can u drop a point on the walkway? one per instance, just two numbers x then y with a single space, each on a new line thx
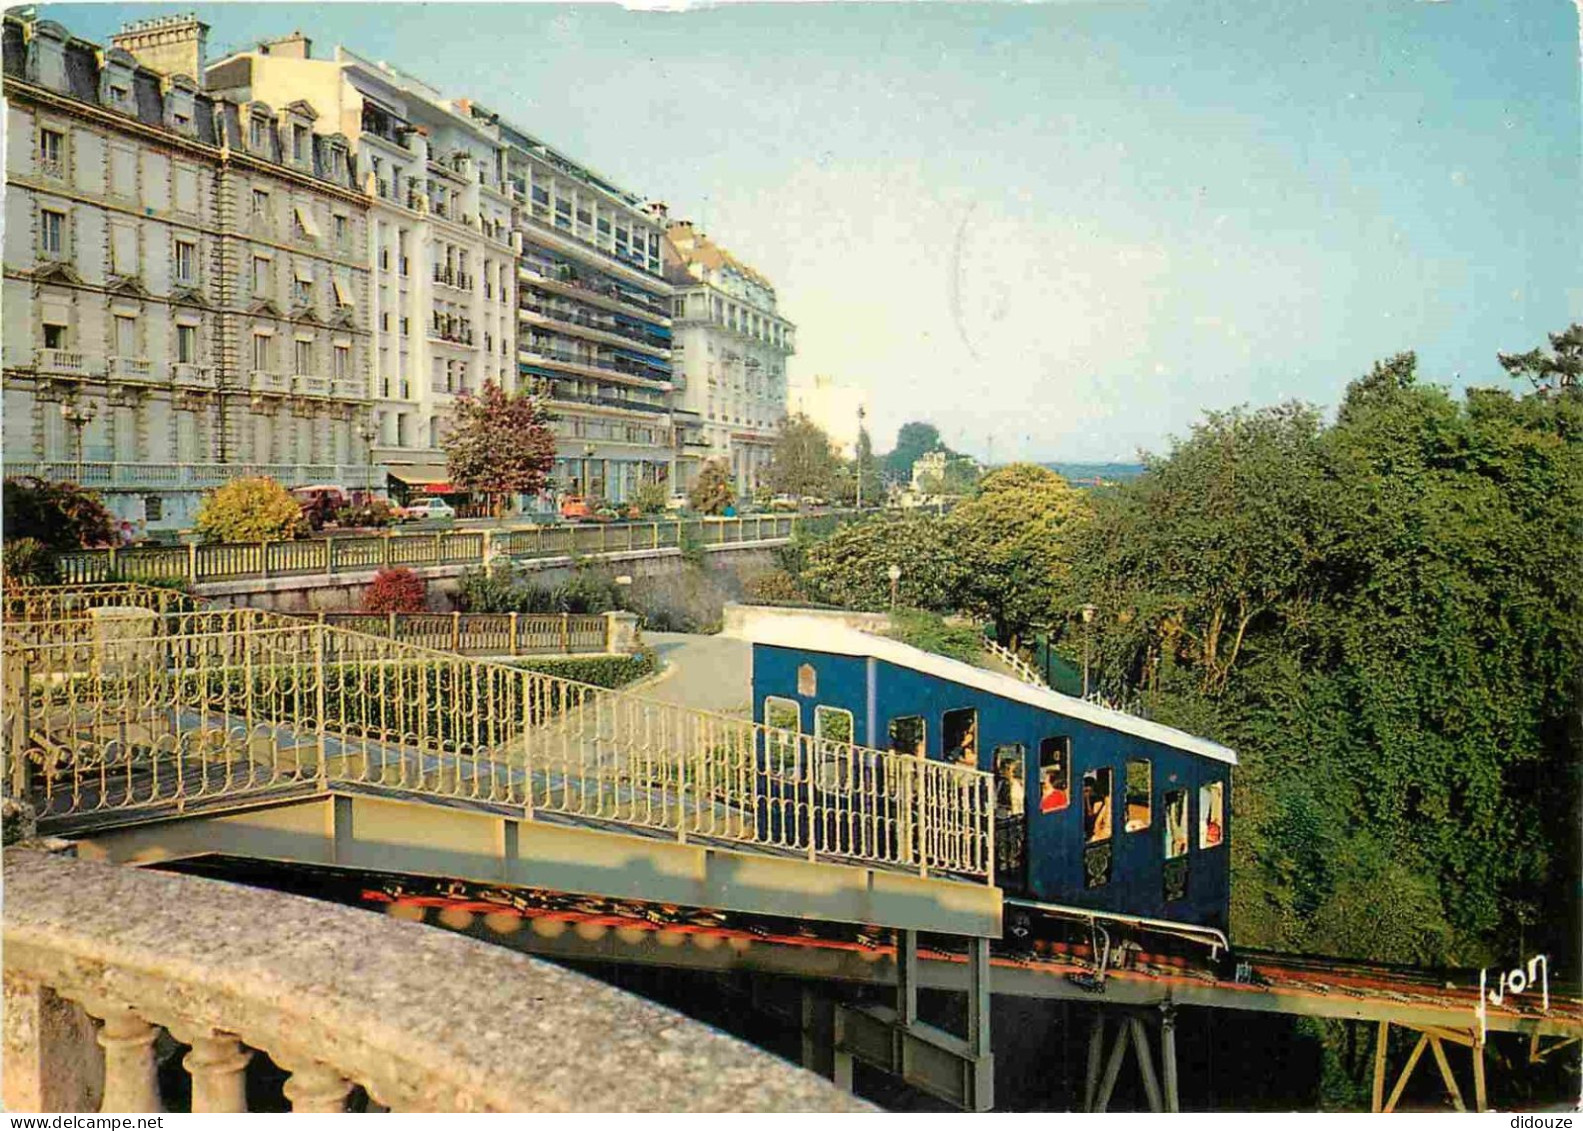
707 673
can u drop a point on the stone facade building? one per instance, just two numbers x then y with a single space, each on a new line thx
186 281
730 355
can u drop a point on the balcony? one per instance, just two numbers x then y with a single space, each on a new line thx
557 393
55 168
259 381
69 363
607 295
348 388
447 277
451 330
593 364
577 322
138 369
307 386
189 376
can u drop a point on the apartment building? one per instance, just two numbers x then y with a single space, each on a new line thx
593 316
730 356
186 294
834 406
439 240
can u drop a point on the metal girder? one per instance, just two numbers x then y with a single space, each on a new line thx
929 1059
353 830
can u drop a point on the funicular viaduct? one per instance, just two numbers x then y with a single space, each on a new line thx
617 828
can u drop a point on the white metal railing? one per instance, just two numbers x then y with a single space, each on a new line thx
1020 668
146 713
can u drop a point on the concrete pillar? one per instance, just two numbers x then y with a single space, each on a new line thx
52 1062
621 633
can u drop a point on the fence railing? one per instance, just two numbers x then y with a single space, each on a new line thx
486 634
148 713
237 561
1019 667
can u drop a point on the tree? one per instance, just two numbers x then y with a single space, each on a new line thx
59 516
250 510
712 491
500 444
1013 539
914 439
958 478
1558 370
650 498
850 568
805 462
866 464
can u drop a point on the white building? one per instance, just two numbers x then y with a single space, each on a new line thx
186 285
834 407
730 355
439 241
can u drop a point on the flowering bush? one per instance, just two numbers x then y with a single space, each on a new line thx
250 510
396 591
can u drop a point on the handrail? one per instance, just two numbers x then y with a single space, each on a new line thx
234 561
339 998
1020 668
144 714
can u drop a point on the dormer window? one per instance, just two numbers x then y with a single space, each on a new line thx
120 96
337 164
299 144
255 135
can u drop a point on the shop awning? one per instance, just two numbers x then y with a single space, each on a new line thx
432 478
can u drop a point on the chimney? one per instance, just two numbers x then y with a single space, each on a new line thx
294 46
171 45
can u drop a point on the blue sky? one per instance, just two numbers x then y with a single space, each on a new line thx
1065 229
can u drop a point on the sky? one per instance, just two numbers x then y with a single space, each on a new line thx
1059 230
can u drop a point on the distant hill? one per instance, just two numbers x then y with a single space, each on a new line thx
1087 473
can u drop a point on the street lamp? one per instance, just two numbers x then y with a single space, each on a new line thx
1089 613
894 573
77 418
588 470
368 435
857 450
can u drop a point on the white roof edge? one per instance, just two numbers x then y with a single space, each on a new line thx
821 636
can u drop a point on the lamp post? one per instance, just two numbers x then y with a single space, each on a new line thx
368 435
1089 613
588 471
77 418
894 573
857 450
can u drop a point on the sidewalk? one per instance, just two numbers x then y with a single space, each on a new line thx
710 673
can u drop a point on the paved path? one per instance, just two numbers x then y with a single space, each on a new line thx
710 673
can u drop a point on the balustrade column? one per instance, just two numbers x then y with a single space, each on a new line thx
131 1081
218 1064
317 1088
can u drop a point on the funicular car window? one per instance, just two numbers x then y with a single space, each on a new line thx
1139 795
959 736
1055 774
1011 792
907 735
1211 814
1098 822
832 727
1173 869
782 722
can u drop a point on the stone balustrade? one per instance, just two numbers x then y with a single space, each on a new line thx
98 959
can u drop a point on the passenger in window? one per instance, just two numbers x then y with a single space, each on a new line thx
1011 794
961 737
1054 778
1096 806
1175 824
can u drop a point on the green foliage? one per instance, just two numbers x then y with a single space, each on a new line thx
774 586
1555 371
250 510
913 440
713 490
1013 542
600 671
503 588
850 567
28 561
375 512
588 590
930 632
959 477
59 516
396 590
1385 617
805 462
650 498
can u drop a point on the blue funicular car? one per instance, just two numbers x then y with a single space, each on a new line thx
1098 812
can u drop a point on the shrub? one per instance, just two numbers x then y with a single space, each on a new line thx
27 561
250 510
712 492
774 586
396 591
930 632
588 591
650 498
375 512
600 671
60 516
503 589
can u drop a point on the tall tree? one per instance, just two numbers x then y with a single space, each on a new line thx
1557 370
913 439
499 445
713 490
805 461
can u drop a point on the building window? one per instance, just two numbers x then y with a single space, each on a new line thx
959 736
125 336
304 357
187 344
405 332
1140 799
120 96
255 134
260 275
1211 814
186 261
153 508
52 232
783 722
299 143
343 229
342 359
261 352
54 336
302 291
337 164
261 204
384 320
51 152
1055 774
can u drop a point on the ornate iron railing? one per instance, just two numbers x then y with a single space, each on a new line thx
485 634
146 713
235 561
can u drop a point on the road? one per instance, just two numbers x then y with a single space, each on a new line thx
710 673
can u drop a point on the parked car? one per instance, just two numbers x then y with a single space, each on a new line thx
783 503
575 508
420 509
320 502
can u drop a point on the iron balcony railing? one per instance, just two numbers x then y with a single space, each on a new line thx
235 561
143 715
